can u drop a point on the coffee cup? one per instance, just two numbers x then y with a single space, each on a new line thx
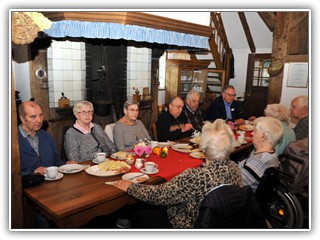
241 139
150 166
154 144
52 172
100 156
196 134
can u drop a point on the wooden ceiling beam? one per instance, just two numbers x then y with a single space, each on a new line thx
247 31
269 18
133 18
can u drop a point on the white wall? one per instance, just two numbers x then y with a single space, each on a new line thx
199 17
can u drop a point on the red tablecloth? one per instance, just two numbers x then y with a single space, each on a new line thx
172 165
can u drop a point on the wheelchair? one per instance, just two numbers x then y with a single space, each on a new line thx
282 207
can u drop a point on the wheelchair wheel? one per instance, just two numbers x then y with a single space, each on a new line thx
284 210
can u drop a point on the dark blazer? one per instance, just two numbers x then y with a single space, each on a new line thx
217 110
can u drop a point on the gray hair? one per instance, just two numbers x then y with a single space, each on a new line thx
225 88
192 92
80 105
271 127
22 109
129 103
277 111
217 140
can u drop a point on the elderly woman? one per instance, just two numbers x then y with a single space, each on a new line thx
267 133
181 197
85 138
129 130
280 112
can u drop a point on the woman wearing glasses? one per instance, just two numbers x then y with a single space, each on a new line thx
129 129
85 138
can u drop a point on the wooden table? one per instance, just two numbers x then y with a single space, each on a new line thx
77 198
74 200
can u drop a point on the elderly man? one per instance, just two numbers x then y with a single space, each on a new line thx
225 107
172 125
300 110
37 148
192 111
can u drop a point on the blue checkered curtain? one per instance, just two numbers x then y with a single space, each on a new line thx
102 30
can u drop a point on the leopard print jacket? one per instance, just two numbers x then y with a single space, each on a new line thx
183 194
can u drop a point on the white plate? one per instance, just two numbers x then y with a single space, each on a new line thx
181 147
165 144
71 168
116 156
197 155
97 162
59 176
195 140
96 171
135 176
143 170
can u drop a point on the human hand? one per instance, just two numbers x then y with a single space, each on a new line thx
40 170
252 118
187 127
122 184
72 162
240 121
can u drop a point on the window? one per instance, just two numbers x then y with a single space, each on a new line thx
260 72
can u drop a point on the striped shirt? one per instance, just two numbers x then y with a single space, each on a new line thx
126 136
258 163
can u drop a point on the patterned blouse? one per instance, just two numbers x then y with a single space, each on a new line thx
82 147
183 194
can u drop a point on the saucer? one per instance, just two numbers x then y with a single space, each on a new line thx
59 176
96 161
143 170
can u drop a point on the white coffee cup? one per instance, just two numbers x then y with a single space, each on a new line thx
100 156
196 134
154 144
150 166
52 172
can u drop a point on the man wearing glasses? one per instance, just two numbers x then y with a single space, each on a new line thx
172 125
225 107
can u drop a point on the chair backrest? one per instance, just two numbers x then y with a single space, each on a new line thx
268 182
154 131
109 131
230 206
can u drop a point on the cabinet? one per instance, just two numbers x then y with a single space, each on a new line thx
184 75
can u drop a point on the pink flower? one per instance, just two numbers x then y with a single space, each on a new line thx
139 150
148 149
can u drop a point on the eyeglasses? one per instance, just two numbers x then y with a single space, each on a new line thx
231 95
83 113
133 110
177 107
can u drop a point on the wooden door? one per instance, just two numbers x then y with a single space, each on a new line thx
256 94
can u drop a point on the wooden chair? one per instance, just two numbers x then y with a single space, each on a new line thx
154 131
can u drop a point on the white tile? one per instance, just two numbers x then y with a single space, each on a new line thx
49 52
76 45
146 58
57 95
132 57
57 75
76 75
58 86
83 54
49 64
145 75
83 75
56 44
76 65
66 53
76 54
83 86
139 75
67 75
139 58
69 94
66 44
67 86
66 64
57 64
83 65
57 53
77 95
76 85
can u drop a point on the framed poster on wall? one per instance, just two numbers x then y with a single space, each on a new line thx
298 75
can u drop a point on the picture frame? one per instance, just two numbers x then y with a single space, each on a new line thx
298 75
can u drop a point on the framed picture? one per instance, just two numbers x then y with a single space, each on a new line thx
298 75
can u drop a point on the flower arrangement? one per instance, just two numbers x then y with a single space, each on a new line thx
143 149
